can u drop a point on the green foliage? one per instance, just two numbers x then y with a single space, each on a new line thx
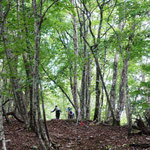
140 106
146 68
56 53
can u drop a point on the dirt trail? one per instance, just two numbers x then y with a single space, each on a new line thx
70 136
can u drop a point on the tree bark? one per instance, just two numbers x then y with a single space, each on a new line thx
124 79
101 105
121 101
128 105
84 81
83 93
45 143
97 101
75 83
28 59
88 91
2 135
35 96
104 86
113 87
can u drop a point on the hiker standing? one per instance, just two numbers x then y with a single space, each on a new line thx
70 113
58 111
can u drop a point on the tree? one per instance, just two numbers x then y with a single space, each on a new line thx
2 135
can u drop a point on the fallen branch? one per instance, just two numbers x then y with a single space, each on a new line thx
140 145
14 115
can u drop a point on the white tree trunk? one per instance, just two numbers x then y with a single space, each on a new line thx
121 101
113 87
75 83
2 135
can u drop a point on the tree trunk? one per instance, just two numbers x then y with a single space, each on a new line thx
27 57
35 98
128 105
113 87
4 98
40 128
88 91
2 135
83 93
102 95
97 102
93 48
101 105
29 87
28 66
75 84
121 101
86 73
84 81
18 95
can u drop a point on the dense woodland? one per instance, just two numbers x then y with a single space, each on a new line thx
91 55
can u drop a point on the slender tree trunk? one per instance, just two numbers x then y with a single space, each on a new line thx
101 105
128 105
27 57
84 81
113 87
29 88
40 128
2 135
102 89
35 98
43 108
104 86
4 98
88 91
121 101
75 83
83 93
86 73
97 102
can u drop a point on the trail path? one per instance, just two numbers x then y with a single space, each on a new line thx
70 136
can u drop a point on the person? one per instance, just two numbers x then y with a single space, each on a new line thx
58 111
70 113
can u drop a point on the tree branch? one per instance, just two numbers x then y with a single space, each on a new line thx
42 17
90 23
63 91
6 102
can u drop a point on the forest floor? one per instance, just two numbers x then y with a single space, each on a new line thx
69 136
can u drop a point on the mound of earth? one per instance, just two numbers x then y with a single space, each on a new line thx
69 136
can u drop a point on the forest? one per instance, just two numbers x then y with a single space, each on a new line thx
91 58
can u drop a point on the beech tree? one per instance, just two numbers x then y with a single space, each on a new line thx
90 55
2 135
